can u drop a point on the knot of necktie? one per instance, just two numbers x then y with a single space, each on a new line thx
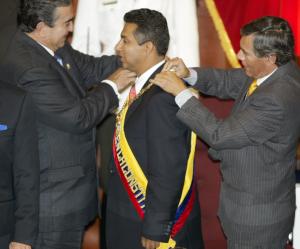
132 93
59 59
252 88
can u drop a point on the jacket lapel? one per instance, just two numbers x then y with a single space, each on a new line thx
242 101
68 69
70 82
140 100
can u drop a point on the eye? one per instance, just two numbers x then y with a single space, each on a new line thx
67 24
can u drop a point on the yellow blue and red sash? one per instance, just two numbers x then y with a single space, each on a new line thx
135 182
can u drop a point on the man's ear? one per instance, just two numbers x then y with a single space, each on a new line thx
149 47
272 58
42 29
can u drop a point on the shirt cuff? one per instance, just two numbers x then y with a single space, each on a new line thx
113 85
183 97
191 80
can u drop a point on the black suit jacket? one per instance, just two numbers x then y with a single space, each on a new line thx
19 166
67 114
161 144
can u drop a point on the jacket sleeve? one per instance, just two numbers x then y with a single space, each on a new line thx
26 175
93 69
224 84
261 120
59 108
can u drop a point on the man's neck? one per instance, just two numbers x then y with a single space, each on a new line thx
149 63
40 41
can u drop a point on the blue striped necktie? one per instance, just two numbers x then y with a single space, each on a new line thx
59 60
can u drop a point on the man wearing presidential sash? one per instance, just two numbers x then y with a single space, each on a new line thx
151 197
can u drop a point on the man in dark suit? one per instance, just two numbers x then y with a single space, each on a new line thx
19 169
257 143
153 146
58 78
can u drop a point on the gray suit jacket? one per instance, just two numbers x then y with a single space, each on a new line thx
256 145
67 114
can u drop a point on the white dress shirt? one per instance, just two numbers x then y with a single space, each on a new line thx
139 83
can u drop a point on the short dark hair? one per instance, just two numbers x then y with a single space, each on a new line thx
151 26
272 35
34 11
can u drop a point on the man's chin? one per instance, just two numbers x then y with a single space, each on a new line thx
125 66
248 73
59 46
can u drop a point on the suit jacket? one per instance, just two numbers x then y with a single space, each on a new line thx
19 166
105 132
257 148
67 114
161 145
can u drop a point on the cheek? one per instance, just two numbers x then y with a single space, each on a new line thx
240 55
62 32
130 54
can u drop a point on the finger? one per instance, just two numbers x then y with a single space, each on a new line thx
167 66
131 74
143 242
127 72
171 63
150 245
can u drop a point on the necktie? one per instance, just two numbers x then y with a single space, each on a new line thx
252 87
59 60
132 93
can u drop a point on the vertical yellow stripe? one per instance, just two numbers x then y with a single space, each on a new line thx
222 33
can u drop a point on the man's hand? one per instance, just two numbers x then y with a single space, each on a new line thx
149 244
16 245
169 82
177 65
122 78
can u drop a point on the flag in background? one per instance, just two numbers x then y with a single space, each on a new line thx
290 10
98 25
230 15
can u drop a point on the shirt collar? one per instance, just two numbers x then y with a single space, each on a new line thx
261 80
140 81
47 49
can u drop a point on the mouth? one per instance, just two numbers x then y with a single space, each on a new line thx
121 59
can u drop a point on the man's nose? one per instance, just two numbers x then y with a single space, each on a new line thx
118 47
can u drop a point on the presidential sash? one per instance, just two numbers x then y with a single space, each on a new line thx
135 182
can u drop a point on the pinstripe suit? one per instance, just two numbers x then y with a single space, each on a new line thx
256 145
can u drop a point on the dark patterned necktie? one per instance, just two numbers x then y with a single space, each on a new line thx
132 94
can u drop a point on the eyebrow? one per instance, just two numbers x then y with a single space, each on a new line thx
70 20
123 36
244 51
